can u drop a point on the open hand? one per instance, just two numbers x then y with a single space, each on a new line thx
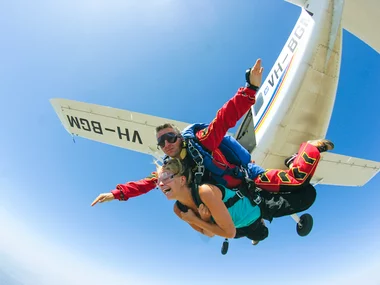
256 74
105 197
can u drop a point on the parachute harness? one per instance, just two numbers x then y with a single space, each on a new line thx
198 159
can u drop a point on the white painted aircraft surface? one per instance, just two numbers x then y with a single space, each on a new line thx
293 105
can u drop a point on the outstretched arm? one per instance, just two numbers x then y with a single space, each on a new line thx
231 112
133 189
128 190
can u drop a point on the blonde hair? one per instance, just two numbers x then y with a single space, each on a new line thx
177 167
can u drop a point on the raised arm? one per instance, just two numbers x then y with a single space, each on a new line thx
232 111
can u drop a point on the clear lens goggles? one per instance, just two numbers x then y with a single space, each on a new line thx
165 177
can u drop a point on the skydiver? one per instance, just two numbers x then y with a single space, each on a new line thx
214 209
169 139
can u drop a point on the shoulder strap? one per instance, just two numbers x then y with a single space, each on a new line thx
229 203
195 194
181 206
196 198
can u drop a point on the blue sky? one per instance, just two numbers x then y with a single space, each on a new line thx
160 57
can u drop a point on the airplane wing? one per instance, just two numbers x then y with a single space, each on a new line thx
136 131
342 170
122 128
333 169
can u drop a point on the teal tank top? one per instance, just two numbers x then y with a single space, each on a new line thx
243 213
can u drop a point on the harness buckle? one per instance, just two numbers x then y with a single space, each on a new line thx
197 156
246 176
239 194
198 175
257 199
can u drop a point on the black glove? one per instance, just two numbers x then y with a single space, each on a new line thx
248 83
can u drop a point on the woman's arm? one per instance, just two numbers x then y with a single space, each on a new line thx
212 199
178 212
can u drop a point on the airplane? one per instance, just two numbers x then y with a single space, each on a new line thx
293 105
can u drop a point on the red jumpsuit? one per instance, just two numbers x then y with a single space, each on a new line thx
210 138
232 111
303 168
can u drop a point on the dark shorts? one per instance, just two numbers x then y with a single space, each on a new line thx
256 231
281 204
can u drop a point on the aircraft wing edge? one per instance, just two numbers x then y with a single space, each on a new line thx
58 110
340 170
117 127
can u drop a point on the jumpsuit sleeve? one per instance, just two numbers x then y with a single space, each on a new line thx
226 118
133 189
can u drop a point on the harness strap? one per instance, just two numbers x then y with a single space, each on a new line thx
181 206
195 194
254 198
249 190
237 172
229 203
233 200
198 158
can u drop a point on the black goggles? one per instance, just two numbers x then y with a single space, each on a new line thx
170 137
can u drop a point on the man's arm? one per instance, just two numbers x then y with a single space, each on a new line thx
231 112
130 189
133 189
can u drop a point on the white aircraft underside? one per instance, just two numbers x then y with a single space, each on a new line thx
294 103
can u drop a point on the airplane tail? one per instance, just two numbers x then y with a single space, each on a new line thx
136 131
360 18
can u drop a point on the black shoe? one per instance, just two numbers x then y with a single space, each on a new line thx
290 160
322 145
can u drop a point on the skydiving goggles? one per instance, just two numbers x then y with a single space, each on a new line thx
170 137
165 177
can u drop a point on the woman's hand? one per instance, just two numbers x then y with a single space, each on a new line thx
189 216
204 212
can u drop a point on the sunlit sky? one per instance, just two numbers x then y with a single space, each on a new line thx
175 59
